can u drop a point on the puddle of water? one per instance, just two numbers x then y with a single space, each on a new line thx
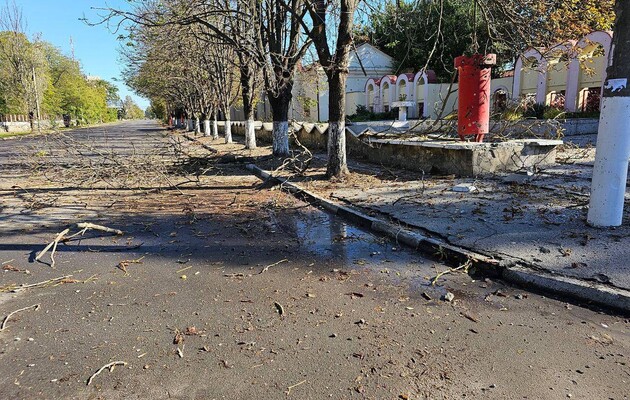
330 238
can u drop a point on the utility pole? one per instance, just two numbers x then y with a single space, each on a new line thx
613 138
39 129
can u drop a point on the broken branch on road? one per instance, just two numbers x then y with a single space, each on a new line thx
61 237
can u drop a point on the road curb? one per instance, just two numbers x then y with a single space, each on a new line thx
510 271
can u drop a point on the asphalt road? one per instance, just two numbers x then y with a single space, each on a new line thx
221 288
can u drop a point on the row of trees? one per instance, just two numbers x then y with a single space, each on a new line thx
37 79
201 57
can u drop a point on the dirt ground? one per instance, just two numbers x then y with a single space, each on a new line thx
224 288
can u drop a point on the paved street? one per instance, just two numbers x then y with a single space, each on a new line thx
223 287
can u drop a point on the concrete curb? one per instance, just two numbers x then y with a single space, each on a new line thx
513 272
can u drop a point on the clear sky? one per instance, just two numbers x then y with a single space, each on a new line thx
94 46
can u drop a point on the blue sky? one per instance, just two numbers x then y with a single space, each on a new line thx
94 46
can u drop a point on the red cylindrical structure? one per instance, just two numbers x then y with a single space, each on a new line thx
473 112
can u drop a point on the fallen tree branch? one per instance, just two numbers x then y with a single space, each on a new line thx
111 366
61 237
6 319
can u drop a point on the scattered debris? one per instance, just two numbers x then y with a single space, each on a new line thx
288 392
16 289
35 307
465 266
109 366
15 269
279 308
184 269
354 295
470 316
125 263
426 296
272 265
448 297
180 352
464 188
192 331
179 337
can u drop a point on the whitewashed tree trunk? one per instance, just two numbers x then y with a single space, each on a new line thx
215 129
250 134
280 136
337 146
191 125
197 126
206 127
228 131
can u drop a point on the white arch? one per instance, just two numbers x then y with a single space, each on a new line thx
604 38
407 79
541 87
390 81
374 101
426 78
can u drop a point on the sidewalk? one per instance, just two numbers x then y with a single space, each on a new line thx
531 229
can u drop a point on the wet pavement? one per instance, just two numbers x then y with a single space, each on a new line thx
197 299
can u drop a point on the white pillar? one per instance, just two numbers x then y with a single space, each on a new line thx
611 163
402 113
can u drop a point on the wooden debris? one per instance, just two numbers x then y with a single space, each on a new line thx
84 226
109 366
87 226
463 267
53 244
272 265
125 263
43 283
6 319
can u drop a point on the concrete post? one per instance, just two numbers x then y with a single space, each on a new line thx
613 138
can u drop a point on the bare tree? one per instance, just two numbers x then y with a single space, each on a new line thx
335 61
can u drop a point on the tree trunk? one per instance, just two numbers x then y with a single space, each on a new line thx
280 110
247 90
250 134
197 126
337 163
228 128
610 171
215 128
206 127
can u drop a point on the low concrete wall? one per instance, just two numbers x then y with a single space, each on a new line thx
25 126
430 156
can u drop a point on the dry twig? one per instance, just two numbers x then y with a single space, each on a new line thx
272 265
6 319
110 365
